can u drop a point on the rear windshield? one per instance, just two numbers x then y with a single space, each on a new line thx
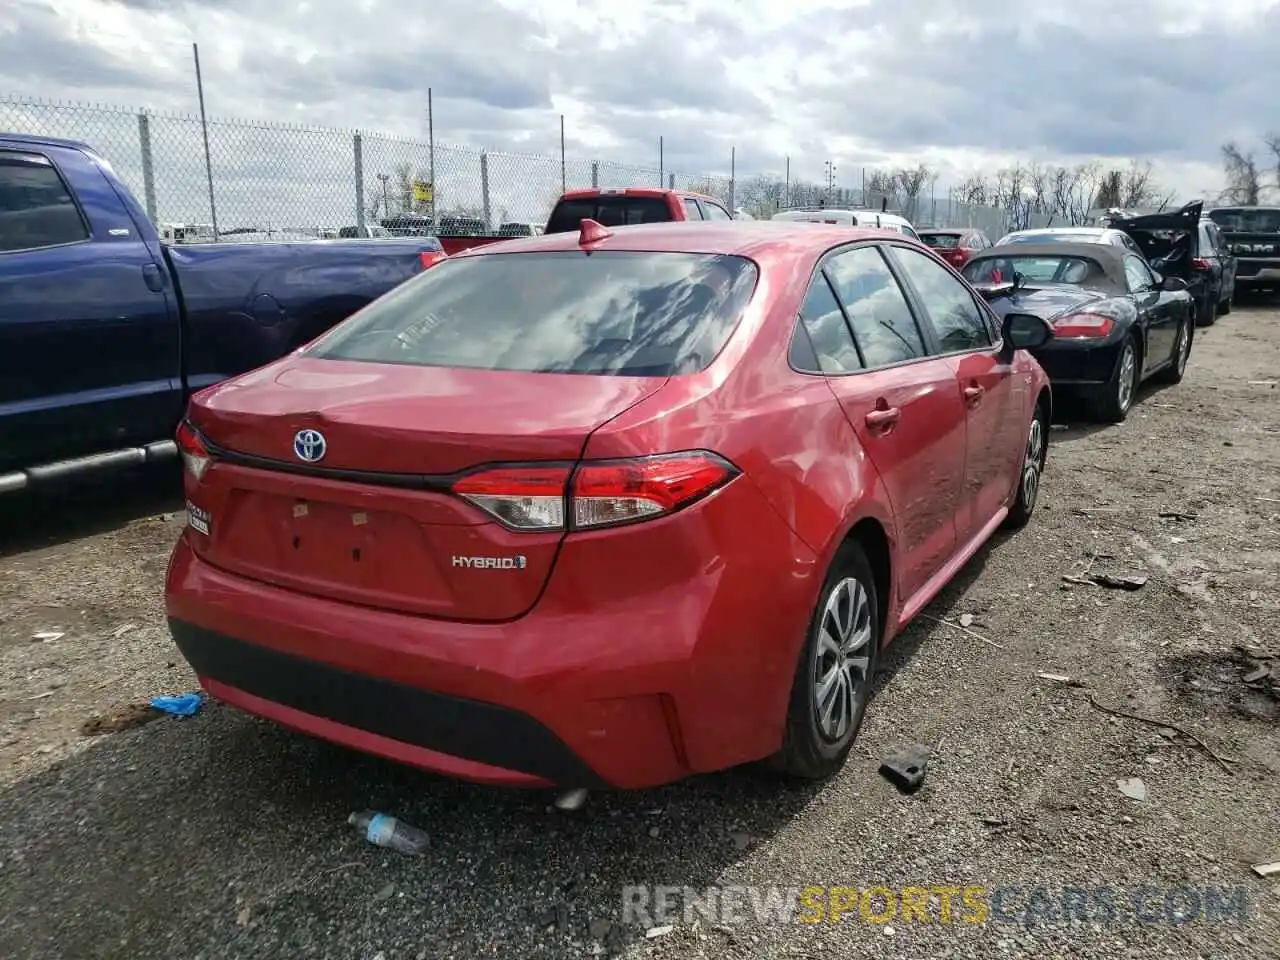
1247 221
1078 271
608 211
621 313
941 241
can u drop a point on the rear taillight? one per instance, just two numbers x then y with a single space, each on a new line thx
1201 265
195 455
1082 326
595 494
430 258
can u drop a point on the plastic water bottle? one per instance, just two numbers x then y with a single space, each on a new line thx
384 831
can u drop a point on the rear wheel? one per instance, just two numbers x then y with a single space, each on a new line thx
1174 372
1225 304
1209 315
1112 406
833 678
1034 455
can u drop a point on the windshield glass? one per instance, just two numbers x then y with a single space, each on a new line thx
941 241
1074 270
623 313
1247 221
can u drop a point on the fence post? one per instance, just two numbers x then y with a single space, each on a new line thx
662 161
671 182
595 174
148 170
484 188
733 177
358 145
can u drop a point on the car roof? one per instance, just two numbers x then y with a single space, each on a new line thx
783 216
1095 232
956 230
589 193
43 141
744 238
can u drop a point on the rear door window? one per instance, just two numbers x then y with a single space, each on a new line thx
36 209
610 211
883 326
691 209
619 313
715 212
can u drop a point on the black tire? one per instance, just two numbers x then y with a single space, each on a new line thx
808 751
1112 405
1176 370
1225 305
1209 315
1034 456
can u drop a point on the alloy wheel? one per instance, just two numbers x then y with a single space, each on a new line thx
1128 376
843 658
1032 463
1184 348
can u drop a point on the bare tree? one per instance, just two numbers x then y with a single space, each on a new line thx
973 191
910 183
1244 183
1272 141
761 196
881 188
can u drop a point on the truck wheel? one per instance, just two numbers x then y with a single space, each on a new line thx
1224 306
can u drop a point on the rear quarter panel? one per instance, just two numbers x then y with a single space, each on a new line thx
247 304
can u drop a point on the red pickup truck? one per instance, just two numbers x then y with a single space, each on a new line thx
612 208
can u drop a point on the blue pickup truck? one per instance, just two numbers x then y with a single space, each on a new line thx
105 331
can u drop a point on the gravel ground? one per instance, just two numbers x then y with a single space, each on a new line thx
222 836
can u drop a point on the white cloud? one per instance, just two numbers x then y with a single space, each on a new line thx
960 86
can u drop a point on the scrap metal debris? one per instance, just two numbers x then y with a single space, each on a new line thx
963 629
905 769
1061 678
1267 869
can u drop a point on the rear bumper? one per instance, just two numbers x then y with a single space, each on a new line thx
601 685
1258 275
1073 365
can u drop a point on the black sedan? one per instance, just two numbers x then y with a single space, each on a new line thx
1115 321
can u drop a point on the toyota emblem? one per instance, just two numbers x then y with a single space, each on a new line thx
309 445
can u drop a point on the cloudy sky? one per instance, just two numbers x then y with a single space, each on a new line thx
962 86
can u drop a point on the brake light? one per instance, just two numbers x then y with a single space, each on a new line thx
596 494
1200 264
430 258
195 455
1082 326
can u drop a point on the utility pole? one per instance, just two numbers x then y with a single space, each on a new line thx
386 208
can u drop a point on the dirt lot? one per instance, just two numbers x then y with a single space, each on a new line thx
221 836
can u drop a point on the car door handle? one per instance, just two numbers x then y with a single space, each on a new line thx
883 419
973 394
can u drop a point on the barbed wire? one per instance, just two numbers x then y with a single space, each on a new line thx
290 178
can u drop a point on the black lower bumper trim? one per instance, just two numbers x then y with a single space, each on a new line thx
468 729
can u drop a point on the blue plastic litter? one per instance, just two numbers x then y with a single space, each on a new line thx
183 705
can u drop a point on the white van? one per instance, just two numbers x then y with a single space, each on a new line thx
849 218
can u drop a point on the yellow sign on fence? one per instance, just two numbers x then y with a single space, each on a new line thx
421 191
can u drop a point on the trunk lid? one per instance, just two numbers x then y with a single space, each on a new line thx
1046 301
372 521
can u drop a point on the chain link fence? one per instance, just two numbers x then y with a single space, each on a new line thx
284 181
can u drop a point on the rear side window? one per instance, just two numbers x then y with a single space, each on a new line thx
691 210
825 333
715 212
36 209
621 313
568 215
886 331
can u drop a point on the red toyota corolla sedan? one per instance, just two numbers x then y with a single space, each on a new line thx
605 508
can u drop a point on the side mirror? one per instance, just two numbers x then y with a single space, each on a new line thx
1173 284
1024 331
